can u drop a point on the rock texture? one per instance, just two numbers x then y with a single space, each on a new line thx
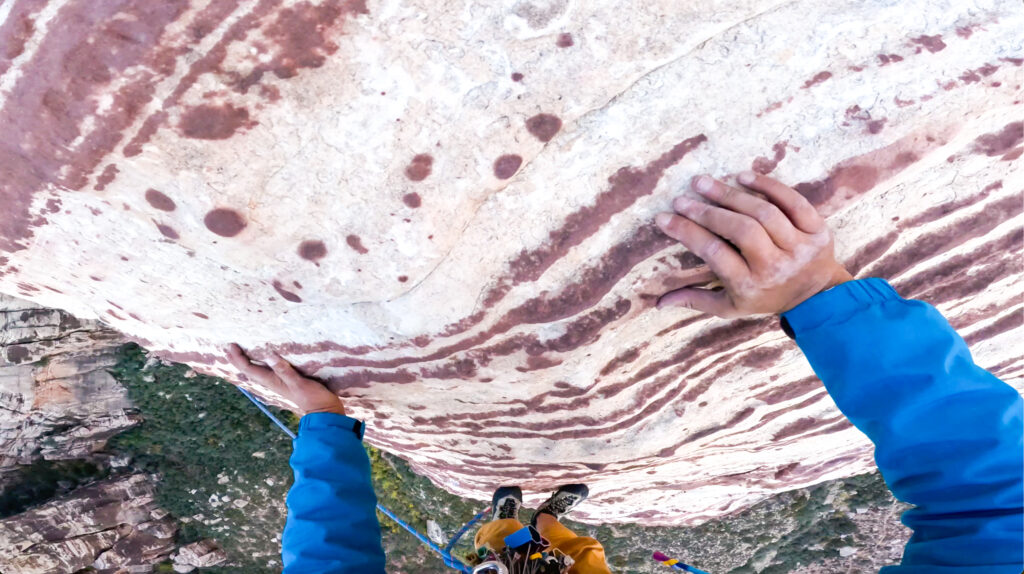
57 400
111 526
445 210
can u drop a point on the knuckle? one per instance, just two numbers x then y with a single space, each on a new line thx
746 229
711 248
725 193
767 213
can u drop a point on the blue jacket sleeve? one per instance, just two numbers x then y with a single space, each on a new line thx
947 434
332 523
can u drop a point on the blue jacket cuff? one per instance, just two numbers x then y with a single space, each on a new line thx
837 304
331 422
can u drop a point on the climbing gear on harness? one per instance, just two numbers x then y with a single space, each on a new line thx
490 567
566 498
445 553
526 541
506 502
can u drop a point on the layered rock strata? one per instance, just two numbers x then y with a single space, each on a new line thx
445 210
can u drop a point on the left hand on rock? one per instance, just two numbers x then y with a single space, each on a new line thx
309 395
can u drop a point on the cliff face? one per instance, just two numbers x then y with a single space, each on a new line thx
446 212
60 405
58 401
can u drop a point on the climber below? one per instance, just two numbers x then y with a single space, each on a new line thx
947 434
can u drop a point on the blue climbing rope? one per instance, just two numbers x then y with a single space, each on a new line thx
449 561
445 553
467 526
269 414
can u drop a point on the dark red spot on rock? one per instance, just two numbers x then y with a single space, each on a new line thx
1012 154
987 70
420 167
763 165
312 250
970 77
875 126
517 77
886 59
413 200
159 200
209 122
902 103
167 231
200 315
771 108
544 126
1014 61
224 222
287 295
817 79
564 40
507 165
356 243
931 43
964 31
297 284
107 176
998 143
403 278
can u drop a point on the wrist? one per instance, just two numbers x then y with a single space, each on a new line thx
839 276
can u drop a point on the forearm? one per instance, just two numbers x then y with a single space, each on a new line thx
947 434
332 523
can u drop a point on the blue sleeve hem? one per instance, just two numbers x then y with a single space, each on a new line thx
331 422
838 303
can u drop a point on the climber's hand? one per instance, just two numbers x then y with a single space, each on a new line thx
309 395
771 250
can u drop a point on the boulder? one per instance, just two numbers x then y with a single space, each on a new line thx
445 210
202 554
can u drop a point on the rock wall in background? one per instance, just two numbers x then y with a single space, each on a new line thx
57 399
109 525
445 210
60 405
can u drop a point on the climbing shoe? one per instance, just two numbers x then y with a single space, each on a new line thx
562 501
506 503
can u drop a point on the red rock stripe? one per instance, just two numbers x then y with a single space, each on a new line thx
47 105
17 29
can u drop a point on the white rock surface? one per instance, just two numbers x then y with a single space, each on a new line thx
196 174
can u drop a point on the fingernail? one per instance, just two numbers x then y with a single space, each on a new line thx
663 219
746 177
703 183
